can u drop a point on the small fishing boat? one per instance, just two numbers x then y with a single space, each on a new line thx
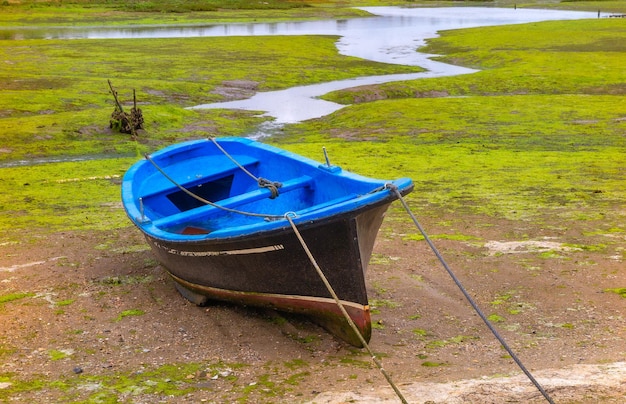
222 216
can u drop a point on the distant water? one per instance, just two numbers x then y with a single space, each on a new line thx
392 37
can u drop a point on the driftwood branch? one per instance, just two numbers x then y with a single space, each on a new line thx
117 101
123 121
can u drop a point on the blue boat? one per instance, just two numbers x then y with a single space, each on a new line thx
217 213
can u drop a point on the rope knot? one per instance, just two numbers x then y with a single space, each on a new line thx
271 185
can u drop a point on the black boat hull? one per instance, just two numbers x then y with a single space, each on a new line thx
215 214
273 270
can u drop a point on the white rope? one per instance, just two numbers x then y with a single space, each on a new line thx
343 310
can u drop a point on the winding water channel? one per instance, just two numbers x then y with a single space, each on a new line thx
392 36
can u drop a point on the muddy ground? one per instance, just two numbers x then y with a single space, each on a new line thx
93 317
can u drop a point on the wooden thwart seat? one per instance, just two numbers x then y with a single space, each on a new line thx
160 184
258 194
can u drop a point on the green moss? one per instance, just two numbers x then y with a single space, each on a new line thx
377 325
170 380
14 296
126 280
295 379
120 12
69 195
619 291
552 254
296 364
459 339
540 58
6 351
495 318
378 303
61 105
130 313
379 259
495 151
56 355
457 237
505 155
17 386
420 332
502 298
58 107
514 181
586 247
430 364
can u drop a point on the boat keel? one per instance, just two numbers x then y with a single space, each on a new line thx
322 311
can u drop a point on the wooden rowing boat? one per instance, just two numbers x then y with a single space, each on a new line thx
220 229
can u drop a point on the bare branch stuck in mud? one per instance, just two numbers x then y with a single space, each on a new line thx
123 121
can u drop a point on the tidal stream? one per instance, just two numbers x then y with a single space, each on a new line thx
392 35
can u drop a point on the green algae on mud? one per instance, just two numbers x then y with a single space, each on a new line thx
169 380
505 183
13 296
441 142
61 196
56 100
538 130
619 291
213 379
56 104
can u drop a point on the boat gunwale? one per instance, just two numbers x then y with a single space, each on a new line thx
351 206
261 229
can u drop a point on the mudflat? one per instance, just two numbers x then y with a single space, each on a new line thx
92 317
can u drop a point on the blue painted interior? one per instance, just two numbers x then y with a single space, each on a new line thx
311 190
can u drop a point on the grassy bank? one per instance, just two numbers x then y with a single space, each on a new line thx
123 12
56 104
540 127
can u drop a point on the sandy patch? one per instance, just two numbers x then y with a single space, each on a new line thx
577 380
517 247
